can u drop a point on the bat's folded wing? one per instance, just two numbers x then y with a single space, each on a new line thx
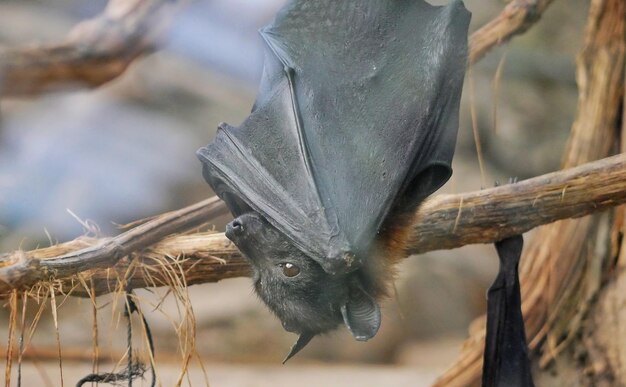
260 166
357 114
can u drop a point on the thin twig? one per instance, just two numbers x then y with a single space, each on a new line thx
10 346
515 19
55 318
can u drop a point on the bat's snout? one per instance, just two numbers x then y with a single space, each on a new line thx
234 229
246 226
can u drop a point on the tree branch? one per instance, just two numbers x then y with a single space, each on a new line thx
515 19
24 269
95 51
99 50
487 216
442 222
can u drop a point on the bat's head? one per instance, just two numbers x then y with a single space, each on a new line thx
306 299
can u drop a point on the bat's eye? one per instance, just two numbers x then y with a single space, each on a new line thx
289 269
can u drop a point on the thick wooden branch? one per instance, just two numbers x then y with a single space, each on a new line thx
487 216
442 222
99 50
95 51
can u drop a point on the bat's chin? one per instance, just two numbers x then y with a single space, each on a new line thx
301 319
289 327
320 326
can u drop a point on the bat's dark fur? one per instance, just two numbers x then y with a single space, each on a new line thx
354 125
313 301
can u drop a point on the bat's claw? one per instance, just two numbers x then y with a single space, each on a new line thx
512 180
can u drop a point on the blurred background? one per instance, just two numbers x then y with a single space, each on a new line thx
126 151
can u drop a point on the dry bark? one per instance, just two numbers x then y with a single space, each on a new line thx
23 270
604 333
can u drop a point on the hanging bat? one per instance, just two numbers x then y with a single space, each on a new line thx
354 124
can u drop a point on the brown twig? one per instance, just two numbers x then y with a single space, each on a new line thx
440 223
99 50
95 51
515 19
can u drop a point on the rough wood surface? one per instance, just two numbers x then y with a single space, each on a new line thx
561 265
99 50
442 222
24 269
95 51
449 221
604 332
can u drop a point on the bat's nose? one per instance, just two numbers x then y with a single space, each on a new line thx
234 229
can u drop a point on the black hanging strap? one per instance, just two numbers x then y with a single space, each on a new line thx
134 369
506 362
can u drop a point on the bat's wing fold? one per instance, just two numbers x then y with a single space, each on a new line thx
356 115
505 361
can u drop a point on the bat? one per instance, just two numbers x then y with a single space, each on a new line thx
505 361
354 124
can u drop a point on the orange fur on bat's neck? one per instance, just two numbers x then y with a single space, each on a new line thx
395 235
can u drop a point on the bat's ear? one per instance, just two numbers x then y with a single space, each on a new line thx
361 313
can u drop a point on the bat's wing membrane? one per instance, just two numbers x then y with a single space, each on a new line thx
261 166
357 113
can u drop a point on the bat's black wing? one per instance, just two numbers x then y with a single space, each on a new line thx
506 362
357 112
